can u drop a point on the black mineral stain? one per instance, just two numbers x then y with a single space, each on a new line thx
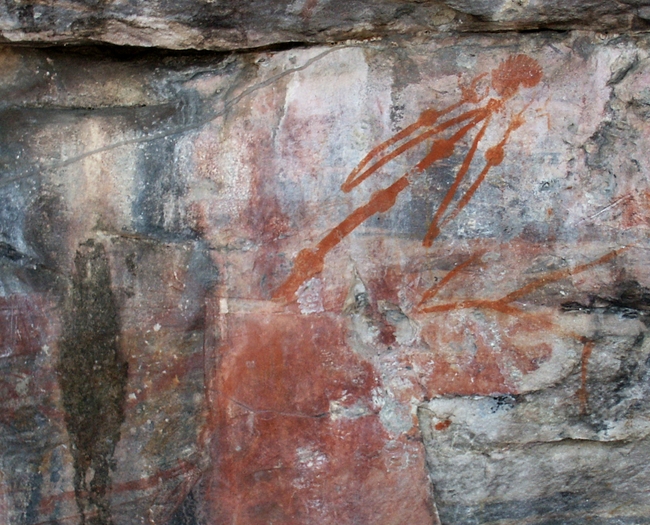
505 402
186 514
565 505
158 207
632 301
92 376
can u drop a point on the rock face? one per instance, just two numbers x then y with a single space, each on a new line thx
232 24
380 282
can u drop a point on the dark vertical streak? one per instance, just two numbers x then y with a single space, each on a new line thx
93 376
186 514
36 485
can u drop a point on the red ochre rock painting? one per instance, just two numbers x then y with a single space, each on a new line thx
304 415
301 437
281 353
314 426
514 73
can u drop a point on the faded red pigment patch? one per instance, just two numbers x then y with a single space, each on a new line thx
265 218
299 440
27 335
29 392
470 359
479 375
634 210
583 394
386 286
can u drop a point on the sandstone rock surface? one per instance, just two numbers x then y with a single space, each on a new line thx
379 283
231 24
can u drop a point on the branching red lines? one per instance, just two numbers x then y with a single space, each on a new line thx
504 304
517 71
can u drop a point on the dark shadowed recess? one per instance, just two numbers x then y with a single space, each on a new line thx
107 52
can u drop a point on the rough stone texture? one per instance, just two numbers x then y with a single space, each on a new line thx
214 310
236 24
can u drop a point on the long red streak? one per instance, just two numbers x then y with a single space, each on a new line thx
583 395
504 303
433 291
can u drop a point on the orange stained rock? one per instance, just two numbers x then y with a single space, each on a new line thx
533 323
300 440
481 355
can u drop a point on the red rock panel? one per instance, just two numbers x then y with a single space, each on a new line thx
300 440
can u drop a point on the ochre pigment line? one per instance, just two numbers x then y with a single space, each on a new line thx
427 119
481 304
515 72
503 304
494 157
583 395
446 201
309 262
538 321
352 181
458 305
464 200
183 468
443 148
433 291
558 275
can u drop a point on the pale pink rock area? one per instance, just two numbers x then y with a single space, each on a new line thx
399 280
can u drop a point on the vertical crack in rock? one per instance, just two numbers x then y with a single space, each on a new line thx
423 424
92 376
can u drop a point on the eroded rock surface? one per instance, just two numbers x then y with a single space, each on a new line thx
376 283
230 24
